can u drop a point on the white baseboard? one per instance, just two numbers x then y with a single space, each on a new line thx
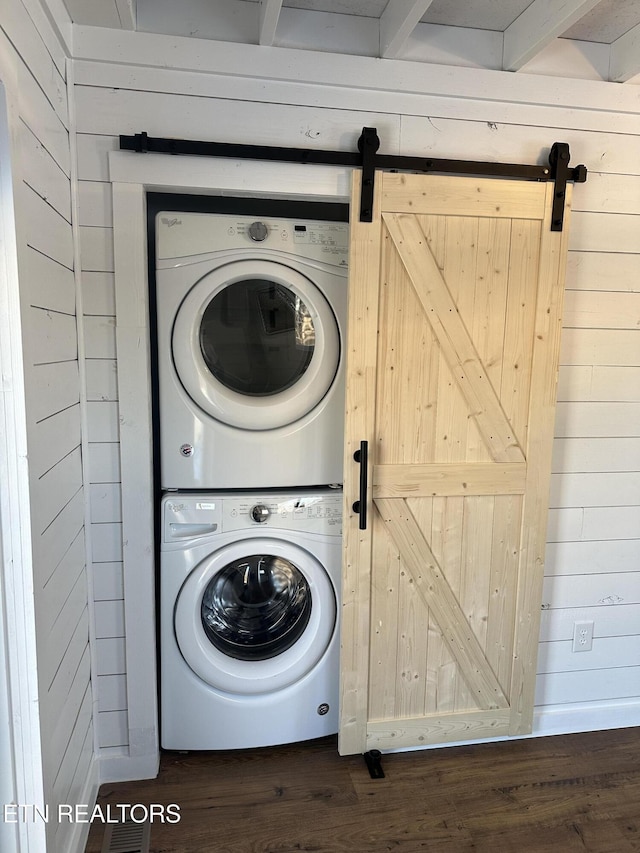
125 768
586 717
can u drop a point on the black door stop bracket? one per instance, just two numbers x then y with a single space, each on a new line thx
374 763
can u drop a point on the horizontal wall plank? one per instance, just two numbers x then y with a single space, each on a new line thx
596 454
604 232
588 309
564 687
584 558
53 336
611 588
43 174
56 738
558 657
94 204
593 523
102 422
53 387
46 231
55 585
109 619
599 384
107 582
112 728
79 742
575 103
616 522
96 249
565 525
106 543
106 503
42 119
110 111
110 657
618 621
100 337
53 699
619 488
50 285
102 379
54 646
93 149
104 462
604 193
584 420
98 293
54 438
54 490
514 141
616 347
603 270
51 547
112 693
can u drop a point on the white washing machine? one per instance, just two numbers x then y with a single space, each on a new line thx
250 328
249 591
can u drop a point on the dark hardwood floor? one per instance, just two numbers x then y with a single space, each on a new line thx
548 795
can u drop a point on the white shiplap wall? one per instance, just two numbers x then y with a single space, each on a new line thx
213 93
42 174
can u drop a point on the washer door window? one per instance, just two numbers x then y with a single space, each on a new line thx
254 621
256 607
256 345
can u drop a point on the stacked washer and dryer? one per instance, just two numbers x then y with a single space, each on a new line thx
250 338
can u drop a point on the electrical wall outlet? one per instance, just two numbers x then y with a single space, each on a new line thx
582 636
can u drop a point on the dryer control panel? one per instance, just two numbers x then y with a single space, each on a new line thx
181 235
190 516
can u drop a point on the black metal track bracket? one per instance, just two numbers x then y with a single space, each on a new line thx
373 759
368 159
560 174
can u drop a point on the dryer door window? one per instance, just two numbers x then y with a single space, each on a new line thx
256 608
256 345
257 337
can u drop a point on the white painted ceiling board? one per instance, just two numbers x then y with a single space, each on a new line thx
388 28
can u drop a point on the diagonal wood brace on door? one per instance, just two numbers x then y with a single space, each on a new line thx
369 160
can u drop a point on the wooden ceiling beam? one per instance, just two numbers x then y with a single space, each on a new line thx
537 26
624 61
398 21
126 13
269 16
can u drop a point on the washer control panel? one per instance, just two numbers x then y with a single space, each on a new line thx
191 516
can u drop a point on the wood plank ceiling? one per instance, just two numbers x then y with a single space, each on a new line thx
517 31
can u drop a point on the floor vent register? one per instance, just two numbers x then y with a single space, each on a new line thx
127 837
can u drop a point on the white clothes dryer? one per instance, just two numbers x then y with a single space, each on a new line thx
249 591
251 320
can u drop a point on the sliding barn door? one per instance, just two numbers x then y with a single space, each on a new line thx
454 330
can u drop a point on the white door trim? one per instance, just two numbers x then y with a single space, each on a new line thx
21 770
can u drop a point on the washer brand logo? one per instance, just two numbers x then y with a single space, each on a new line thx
170 222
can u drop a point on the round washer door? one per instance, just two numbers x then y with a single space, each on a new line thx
255 616
255 344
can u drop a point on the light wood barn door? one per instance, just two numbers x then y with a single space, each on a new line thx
454 332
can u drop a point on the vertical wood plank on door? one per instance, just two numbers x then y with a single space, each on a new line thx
360 408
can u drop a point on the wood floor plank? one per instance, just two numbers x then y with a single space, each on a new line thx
565 793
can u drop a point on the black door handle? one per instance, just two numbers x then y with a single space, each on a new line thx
360 506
